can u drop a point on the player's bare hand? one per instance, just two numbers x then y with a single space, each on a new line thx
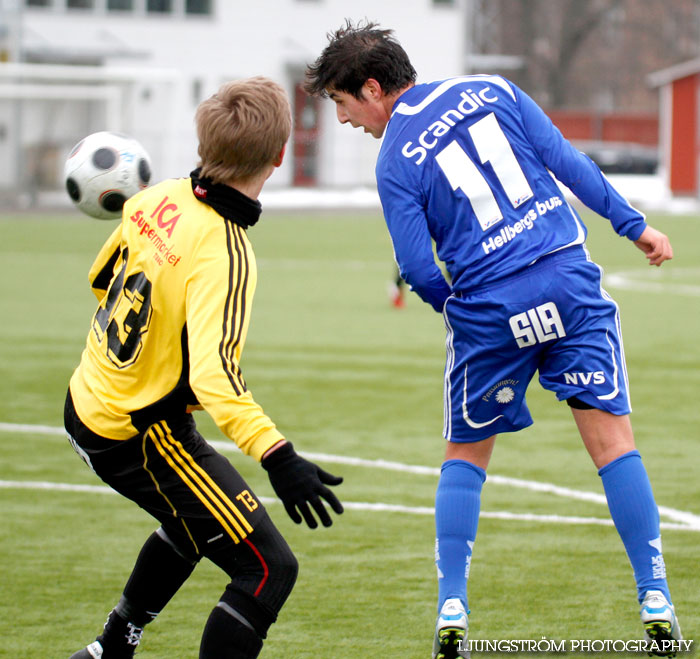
655 245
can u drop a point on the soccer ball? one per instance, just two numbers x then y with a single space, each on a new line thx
103 170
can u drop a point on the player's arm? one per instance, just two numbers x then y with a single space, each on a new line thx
413 248
219 297
102 269
577 171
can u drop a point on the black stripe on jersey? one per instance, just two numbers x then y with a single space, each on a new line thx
235 309
202 485
242 249
104 276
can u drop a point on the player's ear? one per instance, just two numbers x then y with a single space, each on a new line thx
373 90
278 160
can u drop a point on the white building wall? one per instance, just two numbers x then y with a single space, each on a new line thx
275 38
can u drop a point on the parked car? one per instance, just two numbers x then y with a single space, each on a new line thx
621 157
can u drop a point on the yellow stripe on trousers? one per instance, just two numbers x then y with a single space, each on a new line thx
201 484
212 483
170 503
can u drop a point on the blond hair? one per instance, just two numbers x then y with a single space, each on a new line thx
242 129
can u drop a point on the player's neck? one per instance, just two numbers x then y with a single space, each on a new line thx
253 186
389 100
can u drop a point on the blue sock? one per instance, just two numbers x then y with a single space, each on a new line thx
636 518
457 506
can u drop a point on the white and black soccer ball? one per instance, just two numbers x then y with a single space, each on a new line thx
103 170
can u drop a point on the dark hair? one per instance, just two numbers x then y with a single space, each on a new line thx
356 53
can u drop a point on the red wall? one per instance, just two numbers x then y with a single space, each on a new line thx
637 128
684 136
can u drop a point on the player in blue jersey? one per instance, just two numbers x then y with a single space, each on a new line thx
465 163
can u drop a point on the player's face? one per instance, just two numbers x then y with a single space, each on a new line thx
367 112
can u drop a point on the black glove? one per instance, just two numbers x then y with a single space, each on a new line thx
298 483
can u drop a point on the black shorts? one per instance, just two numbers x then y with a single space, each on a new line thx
169 470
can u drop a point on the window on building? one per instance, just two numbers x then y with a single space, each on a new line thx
197 89
198 7
444 3
80 4
120 5
37 3
159 6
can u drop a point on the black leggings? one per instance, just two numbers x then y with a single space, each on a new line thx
205 507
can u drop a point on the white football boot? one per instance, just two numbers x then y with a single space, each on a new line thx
660 622
451 631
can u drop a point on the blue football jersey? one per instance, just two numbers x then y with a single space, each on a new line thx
469 162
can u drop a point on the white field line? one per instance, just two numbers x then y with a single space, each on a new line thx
641 280
683 520
353 505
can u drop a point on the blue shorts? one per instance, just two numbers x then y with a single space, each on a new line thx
555 318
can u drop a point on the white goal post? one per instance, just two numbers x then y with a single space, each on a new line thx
45 109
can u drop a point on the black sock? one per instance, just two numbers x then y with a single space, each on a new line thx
227 637
157 575
120 637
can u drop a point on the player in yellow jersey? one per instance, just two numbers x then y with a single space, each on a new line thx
175 284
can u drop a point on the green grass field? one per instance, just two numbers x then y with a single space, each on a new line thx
344 374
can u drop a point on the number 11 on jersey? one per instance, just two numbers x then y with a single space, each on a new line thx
493 147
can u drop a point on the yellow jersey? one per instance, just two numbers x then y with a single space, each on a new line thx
175 283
